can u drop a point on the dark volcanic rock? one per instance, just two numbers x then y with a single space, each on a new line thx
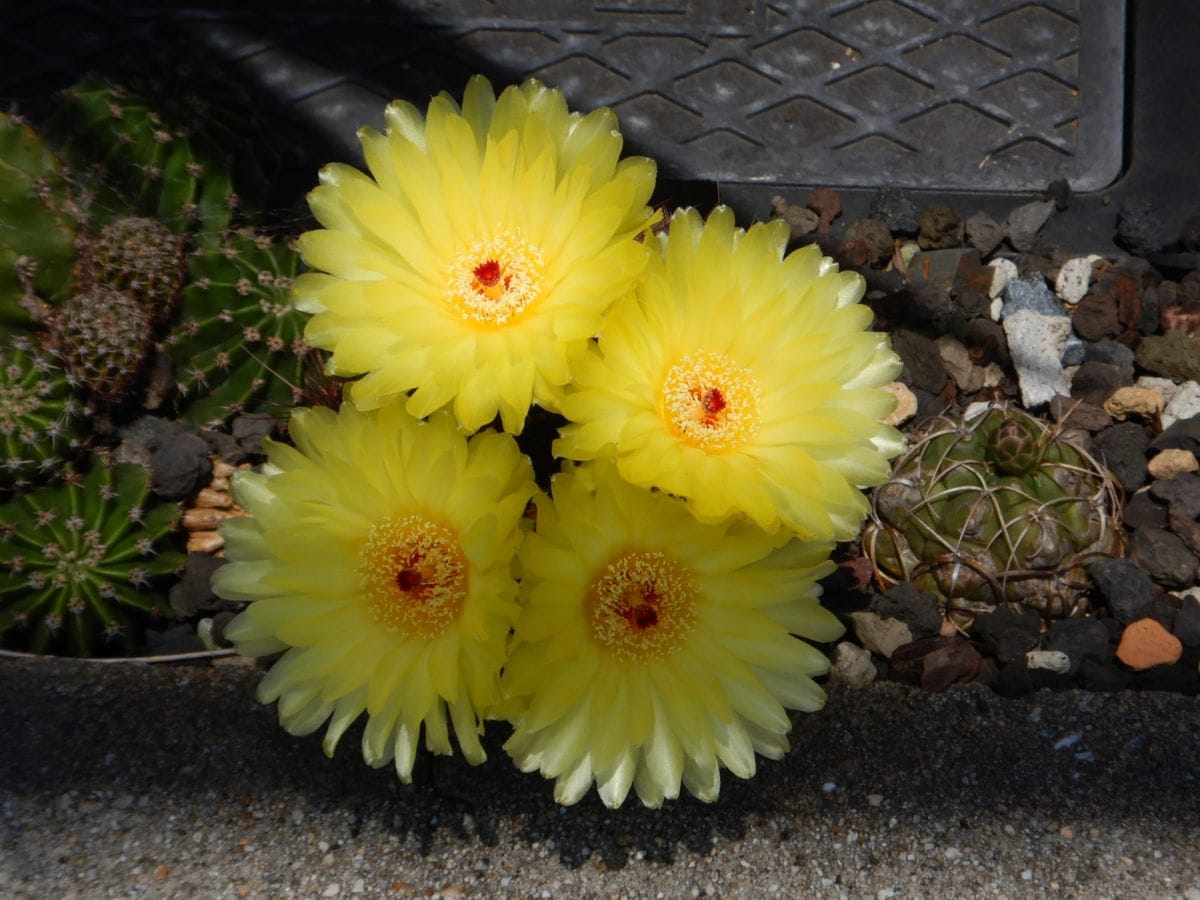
916 609
249 431
923 366
224 445
1122 447
1187 622
1188 531
1082 414
1143 512
987 343
1140 229
939 227
1101 676
1125 588
1026 221
897 209
1182 435
193 592
1095 318
1096 381
1174 355
866 242
955 662
1008 633
181 467
1112 353
984 233
1164 557
1181 494
1079 639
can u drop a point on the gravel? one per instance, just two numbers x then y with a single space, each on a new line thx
129 780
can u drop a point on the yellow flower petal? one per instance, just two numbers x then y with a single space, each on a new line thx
627 671
740 380
354 558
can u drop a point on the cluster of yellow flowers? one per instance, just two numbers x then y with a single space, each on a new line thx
643 629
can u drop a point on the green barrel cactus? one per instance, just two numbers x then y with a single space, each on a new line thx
38 224
83 564
998 509
239 341
40 419
134 161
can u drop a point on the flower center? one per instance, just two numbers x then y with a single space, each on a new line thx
710 402
414 575
496 278
641 605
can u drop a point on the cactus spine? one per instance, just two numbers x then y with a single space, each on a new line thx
82 564
997 509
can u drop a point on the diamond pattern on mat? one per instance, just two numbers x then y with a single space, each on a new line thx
947 94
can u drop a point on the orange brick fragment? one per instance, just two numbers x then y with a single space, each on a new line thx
1146 643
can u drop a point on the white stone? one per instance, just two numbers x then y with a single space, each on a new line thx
1003 271
1074 278
1183 405
880 635
1051 660
1036 344
852 665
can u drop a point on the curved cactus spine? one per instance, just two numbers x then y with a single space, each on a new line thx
81 564
39 418
998 509
141 163
38 221
240 340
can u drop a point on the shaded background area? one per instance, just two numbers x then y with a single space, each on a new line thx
971 104
110 772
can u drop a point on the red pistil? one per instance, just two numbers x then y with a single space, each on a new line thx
487 273
640 608
712 401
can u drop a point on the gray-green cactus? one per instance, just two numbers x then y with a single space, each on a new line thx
40 420
239 341
82 564
997 509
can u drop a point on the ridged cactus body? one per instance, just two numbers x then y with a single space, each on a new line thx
37 224
138 162
82 564
998 509
40 420
239 341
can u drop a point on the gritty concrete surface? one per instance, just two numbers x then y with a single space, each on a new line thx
126 780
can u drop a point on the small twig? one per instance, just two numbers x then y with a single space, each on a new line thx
168 657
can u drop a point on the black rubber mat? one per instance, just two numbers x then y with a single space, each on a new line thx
977 95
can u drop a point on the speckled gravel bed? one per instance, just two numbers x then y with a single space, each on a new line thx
127 780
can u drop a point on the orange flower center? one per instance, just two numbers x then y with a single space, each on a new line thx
641 605
414 575
495 279
710 402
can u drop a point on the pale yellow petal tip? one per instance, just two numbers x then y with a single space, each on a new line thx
356 565
488 235
738 379
656 616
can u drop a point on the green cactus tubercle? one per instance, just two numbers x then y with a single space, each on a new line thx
39 417
239 341
995 510
82 564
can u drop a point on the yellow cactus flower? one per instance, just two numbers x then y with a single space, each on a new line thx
742 381
379 557
477 259
652 648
